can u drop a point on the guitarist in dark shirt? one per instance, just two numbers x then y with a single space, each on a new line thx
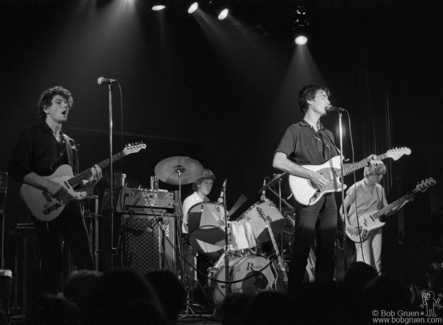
40 150
309 143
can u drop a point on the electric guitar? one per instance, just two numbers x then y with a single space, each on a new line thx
277 285
45 207
307 194
358 232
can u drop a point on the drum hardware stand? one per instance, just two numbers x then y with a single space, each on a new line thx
274 243
281 199
179 229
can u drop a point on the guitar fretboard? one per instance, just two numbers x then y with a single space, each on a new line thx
85 175
349 168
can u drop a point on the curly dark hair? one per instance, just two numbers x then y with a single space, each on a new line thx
308 93
47 96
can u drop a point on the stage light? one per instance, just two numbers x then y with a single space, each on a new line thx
301 40
223 14
158 7
301 24
193 7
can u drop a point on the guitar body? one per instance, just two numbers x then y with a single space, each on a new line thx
366 223
304 191
43 206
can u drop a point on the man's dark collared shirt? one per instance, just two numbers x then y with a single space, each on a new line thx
38 151
304 146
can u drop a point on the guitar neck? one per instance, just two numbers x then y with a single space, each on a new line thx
85 175
349 168
389 207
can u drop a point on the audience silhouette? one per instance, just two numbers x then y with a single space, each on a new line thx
124 296
170 291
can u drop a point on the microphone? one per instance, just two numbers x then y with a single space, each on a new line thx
150 228
331 108
105 81
220 199
263 192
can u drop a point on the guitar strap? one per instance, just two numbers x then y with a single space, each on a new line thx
70 153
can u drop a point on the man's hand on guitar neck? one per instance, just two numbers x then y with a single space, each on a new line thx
96 176
373 160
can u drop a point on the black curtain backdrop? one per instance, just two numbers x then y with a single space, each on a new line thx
216 92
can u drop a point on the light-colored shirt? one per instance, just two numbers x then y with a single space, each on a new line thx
191 200
366 200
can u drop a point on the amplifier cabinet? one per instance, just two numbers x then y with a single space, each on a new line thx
149 242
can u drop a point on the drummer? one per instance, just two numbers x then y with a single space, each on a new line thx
202 187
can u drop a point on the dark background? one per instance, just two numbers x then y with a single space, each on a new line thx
219 94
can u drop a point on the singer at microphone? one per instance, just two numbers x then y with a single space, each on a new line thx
105 81
305 144
37 153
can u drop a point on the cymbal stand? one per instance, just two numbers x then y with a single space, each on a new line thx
178 170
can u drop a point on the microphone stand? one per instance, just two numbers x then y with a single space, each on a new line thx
345 217
111 199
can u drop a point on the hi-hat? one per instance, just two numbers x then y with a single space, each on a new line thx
171 169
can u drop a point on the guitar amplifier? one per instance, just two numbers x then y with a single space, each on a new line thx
141 201
149 242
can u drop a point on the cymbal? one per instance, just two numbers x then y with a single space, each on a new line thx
169 170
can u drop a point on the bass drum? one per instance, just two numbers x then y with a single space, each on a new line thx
240 268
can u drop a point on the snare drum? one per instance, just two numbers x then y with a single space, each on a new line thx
259 225
206 227
240 268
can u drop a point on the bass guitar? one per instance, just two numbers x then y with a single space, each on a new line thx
45 207
307 194
359 231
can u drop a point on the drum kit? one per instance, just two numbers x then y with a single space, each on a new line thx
241 265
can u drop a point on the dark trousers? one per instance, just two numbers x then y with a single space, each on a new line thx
69 227
318 221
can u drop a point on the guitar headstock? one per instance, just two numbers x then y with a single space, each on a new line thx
398 152
133 148
425 184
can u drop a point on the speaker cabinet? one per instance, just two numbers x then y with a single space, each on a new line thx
149 243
